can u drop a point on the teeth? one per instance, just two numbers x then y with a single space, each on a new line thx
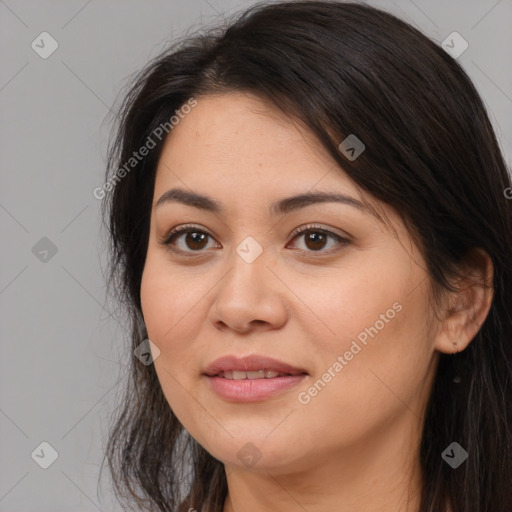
252 375
255 375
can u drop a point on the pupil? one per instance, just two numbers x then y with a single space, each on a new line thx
195 238
318 240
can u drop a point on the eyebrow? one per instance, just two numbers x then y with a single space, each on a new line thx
281 206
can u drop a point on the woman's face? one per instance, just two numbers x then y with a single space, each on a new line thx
346 320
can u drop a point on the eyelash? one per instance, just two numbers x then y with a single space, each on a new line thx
310 228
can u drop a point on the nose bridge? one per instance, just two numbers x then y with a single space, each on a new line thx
247 293
248 265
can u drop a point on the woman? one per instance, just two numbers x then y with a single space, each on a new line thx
309 222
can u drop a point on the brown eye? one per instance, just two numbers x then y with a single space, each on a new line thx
191 238
195 240
316 239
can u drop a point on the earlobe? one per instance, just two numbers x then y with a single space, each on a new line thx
466 308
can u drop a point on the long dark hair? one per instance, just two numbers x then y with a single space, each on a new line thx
431 154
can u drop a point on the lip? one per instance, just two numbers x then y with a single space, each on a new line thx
250 363
251 390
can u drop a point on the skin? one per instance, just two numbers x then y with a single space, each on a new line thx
355 445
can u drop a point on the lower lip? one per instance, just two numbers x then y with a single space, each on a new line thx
252 390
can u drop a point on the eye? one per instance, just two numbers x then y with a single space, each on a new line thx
194 238
316 238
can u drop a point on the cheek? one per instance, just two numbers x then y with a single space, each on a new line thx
168 315
372 364
173 310
156 299
167 302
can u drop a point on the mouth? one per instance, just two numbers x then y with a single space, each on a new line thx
251 379
251 375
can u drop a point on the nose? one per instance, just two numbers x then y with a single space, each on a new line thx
249 297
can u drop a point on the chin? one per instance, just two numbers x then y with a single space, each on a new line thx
255 452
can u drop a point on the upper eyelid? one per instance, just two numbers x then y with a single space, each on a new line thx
313 226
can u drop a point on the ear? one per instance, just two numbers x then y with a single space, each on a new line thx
465 310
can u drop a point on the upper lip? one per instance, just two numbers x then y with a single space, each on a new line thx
250 363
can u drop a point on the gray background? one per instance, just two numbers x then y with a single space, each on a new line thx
62 352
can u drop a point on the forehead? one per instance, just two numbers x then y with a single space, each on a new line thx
238 141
